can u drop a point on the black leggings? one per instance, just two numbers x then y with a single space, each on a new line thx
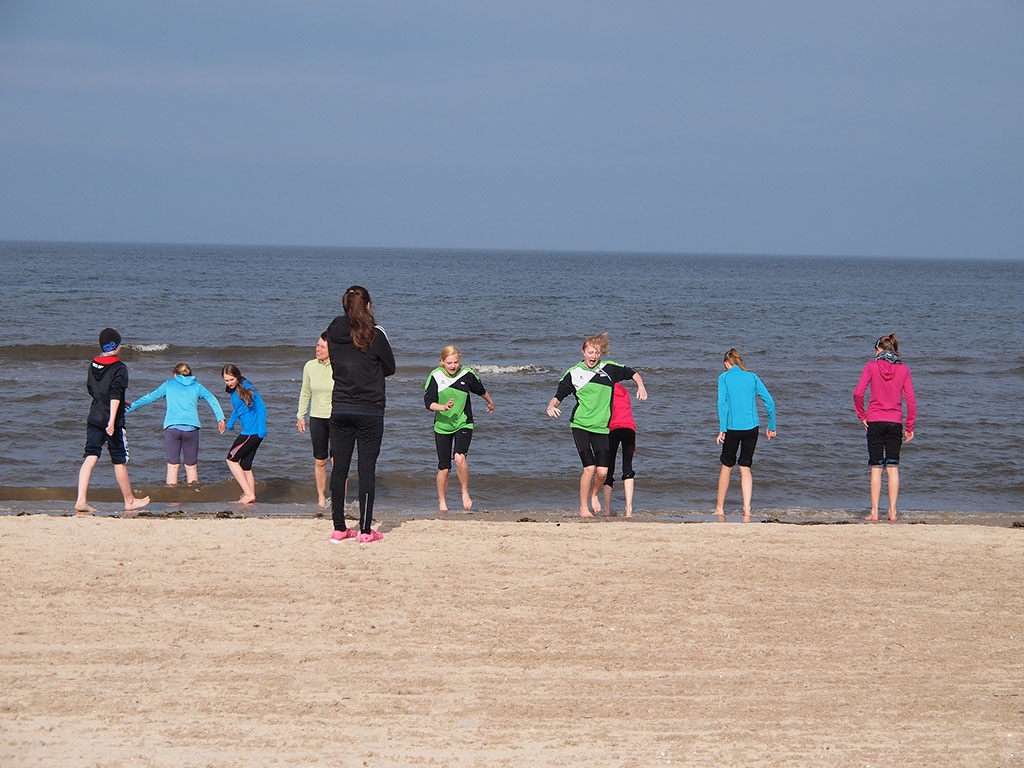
627 439
350 431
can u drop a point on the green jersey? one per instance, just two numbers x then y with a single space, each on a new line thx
440 388
593 390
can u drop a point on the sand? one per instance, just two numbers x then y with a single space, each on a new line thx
460 642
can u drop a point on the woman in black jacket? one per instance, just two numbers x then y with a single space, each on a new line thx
361 358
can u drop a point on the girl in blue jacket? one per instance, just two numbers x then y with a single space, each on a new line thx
738 392
249 410
181 423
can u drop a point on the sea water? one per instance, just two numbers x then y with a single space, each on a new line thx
806 326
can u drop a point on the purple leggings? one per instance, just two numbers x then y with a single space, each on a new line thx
178 444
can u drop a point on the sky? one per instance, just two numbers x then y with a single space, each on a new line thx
891 128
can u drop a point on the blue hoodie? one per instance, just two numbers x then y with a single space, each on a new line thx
182 393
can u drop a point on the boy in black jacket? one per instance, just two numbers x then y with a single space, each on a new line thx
107 382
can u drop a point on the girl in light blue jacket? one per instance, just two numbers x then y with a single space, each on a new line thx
738 425
181 424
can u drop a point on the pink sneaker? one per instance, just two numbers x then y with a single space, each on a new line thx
339 536
366 538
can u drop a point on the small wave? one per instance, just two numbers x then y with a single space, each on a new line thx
149 347
507 370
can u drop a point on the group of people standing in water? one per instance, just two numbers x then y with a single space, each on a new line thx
344 394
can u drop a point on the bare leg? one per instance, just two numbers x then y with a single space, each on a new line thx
627 487
747 489
586 488
131 504
192 473
876 492
893 473
251 479
172 474
320 475
84 475
442 489
723 488
607 491
600 473
462 470
245 482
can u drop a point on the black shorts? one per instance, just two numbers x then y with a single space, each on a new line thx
742 440
117 443
592 447
243 450
320 433
448 445
884 441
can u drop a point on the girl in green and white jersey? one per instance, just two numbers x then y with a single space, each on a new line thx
446 393
591 381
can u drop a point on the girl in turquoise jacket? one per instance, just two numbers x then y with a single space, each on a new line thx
181 422
738 425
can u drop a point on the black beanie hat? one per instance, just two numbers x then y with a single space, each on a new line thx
109 339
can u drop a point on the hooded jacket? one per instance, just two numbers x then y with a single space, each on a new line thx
182 393
358 376
253 418
107 380
890 383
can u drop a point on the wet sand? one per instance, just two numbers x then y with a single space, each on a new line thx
469 642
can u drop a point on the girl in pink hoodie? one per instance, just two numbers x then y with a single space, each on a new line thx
890 384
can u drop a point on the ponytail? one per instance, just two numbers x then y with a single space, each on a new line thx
888 344
356 303
733 357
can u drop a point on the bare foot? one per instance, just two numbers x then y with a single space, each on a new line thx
872 518
84 509
467 503
246 498
442 506
130 508
892 517
629 512
136 504
585 513
595 504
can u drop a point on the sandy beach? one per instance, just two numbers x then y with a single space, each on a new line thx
461 642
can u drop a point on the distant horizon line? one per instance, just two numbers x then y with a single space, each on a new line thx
478 249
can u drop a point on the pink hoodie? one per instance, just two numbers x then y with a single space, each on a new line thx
622 410
890 383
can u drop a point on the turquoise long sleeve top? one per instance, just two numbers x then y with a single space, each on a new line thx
738 391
